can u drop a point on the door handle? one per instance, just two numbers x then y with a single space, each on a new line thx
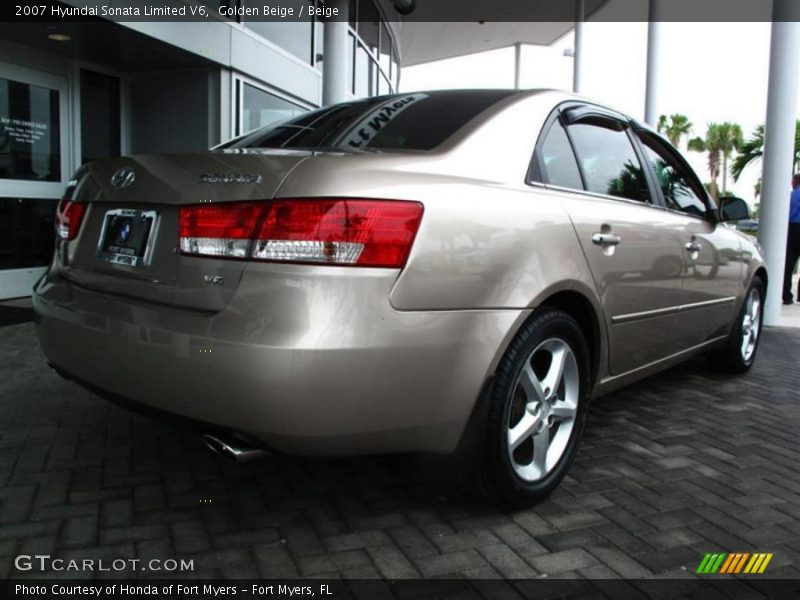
693 247
606 239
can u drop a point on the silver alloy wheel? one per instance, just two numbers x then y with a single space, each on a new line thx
544 408
751 322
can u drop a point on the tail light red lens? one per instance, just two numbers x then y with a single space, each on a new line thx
335 231
69 215
219 230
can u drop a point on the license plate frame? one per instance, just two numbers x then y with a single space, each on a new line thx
123 254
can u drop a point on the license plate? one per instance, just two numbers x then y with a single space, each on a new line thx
126 237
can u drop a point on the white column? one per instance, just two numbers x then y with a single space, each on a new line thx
651 93
784 62
577 52
336 70
517 64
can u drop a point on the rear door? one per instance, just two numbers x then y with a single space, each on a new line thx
632 246
713 278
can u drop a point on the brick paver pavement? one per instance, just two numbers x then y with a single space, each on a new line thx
684 463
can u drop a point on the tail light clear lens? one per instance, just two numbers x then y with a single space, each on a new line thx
335 231
69 215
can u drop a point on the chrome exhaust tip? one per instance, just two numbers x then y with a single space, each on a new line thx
232 447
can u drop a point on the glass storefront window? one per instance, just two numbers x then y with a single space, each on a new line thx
319 45
352 14
383 85
100 116
395 76
30 132
386 51
363 72
369 23
375 64
26 232
261 108
295 37
351 48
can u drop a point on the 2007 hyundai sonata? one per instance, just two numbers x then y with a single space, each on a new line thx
411 273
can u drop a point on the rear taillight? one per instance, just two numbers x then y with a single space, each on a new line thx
220 230
69 215
369 233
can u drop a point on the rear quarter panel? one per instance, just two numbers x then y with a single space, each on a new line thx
487 239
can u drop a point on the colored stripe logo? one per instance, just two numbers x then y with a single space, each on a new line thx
734 563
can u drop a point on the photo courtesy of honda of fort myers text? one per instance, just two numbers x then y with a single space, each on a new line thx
288 589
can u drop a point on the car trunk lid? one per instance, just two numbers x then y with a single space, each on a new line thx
128 243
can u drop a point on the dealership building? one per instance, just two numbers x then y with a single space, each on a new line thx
73 92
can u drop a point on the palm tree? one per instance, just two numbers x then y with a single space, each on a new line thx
710 144
722 140
753 149
678 126
732 140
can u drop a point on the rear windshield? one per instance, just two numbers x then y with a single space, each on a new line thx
418 121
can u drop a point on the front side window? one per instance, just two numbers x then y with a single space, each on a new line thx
678 187
558 161
608 160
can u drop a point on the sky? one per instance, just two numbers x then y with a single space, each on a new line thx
711 72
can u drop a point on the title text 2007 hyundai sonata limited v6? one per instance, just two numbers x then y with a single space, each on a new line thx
418 272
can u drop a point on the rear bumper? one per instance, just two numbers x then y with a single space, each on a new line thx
308 360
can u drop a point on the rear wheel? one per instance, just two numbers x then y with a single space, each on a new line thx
537 410
739 351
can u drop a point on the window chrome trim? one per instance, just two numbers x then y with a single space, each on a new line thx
669 310
562 189
558 188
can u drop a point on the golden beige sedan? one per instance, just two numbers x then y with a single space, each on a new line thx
425 272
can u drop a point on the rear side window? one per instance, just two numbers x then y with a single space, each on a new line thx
418 121
558 161
608 161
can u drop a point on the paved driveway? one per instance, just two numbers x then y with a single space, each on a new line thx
685 463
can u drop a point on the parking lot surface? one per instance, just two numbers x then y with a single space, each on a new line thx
685 463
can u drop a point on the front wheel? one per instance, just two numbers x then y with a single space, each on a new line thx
739 351
537 410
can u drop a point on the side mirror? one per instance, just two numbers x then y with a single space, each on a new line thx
733 209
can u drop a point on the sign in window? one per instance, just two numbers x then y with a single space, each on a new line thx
30 138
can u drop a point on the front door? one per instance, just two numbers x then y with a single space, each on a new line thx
713 276
34 168
632 246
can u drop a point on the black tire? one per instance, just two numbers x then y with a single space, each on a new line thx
496 477
729 357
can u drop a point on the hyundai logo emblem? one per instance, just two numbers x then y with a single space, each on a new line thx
123 178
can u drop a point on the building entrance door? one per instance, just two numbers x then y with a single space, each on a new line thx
35 165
